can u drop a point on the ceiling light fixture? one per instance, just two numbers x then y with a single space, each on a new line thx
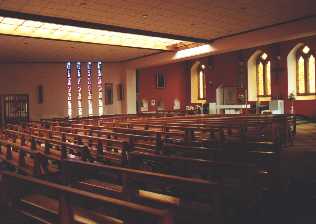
54 31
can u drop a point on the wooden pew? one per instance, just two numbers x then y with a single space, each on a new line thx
59 147
191 199
21 158
45 202
200 124
244 179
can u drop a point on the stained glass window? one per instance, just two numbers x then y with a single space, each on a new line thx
305 71
79 97
90 106
263 75
68 71
100 92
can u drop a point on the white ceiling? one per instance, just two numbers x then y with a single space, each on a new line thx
207 19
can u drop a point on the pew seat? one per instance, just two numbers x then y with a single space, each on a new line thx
49 206
39 201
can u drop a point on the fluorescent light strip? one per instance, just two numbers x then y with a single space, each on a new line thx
30 28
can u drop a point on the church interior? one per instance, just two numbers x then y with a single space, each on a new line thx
157 112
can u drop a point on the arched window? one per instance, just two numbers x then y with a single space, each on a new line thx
263 75
198 83
201 83
305 71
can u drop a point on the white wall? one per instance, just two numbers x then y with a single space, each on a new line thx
25 78
112 73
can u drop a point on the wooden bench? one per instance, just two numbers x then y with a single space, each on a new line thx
60 146
45 202
191 199
22 159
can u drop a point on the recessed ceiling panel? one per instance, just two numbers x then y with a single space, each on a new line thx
23 49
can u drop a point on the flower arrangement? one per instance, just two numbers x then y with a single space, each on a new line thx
292 96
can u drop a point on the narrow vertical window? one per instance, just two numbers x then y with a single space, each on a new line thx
79 98
301 75
268 79
100 92
90 108
201 83
68 73
260 79
311 74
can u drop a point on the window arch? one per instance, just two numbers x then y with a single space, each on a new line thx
305 71
263 75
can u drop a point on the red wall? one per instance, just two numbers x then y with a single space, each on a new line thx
223 71
229 69
176 85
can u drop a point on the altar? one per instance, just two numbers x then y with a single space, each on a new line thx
227 101
227 109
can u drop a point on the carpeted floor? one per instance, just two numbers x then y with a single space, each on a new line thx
296 204
305 139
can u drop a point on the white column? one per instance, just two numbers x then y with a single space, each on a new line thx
130 84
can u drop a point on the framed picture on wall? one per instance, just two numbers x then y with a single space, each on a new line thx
160 80
153 102
108 92
120 92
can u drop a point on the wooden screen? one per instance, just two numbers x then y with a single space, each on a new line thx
15 108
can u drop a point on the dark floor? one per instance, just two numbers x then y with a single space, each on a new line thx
297 203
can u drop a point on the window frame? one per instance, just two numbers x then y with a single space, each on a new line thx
265 64
306 58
